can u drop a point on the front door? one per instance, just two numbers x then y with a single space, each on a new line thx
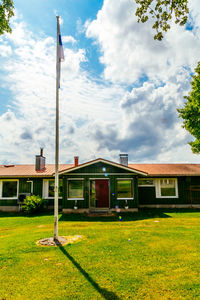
102 193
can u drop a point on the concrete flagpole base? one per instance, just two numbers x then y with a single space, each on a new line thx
60 241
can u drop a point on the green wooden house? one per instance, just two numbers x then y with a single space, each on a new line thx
100 185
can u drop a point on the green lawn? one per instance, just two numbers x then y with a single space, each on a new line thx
144 256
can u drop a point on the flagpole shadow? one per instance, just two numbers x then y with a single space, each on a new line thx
102 291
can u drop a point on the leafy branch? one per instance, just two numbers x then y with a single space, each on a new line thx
6 12
162 11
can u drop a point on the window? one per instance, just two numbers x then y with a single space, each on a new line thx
145 182
51 188
124 188
167 188
75 189
48 188
9 189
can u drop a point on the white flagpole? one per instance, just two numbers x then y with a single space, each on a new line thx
57 137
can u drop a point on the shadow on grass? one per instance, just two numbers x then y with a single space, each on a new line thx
23 214
102 291
144 213
136 216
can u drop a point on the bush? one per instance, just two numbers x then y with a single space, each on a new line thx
32 204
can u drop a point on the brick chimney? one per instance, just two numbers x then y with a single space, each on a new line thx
123 159
76 158
40 161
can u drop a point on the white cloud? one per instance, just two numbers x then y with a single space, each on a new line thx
30 120
68 39
5 51
129 50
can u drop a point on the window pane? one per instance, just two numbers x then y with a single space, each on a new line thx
168 187
75 189
124 189
9 189
51 188
145 182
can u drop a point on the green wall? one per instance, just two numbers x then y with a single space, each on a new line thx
147 195
95 171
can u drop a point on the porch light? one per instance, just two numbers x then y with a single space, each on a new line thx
126 204
103 169
75 205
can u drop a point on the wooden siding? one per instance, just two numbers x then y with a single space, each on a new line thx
95 172
147 195
97 168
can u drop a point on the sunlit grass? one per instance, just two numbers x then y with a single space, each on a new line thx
150 255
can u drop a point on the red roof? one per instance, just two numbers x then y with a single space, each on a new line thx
29 170
168 169
150 169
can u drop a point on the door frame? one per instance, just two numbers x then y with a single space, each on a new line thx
90 179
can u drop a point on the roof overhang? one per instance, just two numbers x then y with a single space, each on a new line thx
114 164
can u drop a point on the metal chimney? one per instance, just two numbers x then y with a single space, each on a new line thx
123 159
40 161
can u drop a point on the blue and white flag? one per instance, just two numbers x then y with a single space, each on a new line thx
60 55
61 52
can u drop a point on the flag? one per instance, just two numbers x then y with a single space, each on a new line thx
61 52
60 55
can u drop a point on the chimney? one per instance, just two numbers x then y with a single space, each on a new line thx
40 161
76 161
123 159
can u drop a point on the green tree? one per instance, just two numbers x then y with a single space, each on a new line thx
6 12
191 111
162 11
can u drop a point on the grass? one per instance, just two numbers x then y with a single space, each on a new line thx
147 255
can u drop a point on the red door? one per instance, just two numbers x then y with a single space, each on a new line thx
102 193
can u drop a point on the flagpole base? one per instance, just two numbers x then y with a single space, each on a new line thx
60 241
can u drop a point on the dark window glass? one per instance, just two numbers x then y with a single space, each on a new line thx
75 189
9 189
147 182
124 189
168 187
51 188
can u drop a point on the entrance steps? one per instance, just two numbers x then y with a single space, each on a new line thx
100 212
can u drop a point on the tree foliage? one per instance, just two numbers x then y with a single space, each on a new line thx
162 11
191 111
6 12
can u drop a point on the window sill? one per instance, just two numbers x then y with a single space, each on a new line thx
9 198
166 197
75 199
46 198
125 198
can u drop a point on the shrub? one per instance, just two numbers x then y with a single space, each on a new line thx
32 204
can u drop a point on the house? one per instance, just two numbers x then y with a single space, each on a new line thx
102 184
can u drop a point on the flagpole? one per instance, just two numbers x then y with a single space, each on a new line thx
57 137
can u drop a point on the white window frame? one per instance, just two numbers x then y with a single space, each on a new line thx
158 188
132 189
69 179
147 185
45 189
1 189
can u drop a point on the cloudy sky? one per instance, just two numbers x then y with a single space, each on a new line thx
119 88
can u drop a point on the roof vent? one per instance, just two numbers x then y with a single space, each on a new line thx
123 159
9 166
40 161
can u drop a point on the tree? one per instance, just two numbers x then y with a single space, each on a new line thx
6 12
162 12
191 111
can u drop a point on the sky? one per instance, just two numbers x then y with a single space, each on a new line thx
120 89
